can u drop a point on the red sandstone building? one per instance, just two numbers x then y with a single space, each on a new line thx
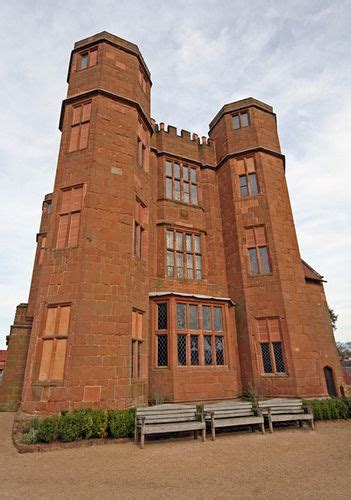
166 266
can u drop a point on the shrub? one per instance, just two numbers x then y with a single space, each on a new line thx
121 423
30 437
47 429
330 409
70 426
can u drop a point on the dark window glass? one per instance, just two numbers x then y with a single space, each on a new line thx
253 184
48 207
84 61
193 317
206 318
194 194
181 316
181 349
194 349
162 350
162 316
265 267
217 314
236 121
244 119
266 358
253 261
168 169
139 359
132 360
278 357
243 186
219 351
208 349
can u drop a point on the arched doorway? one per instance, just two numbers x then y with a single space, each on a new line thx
329 380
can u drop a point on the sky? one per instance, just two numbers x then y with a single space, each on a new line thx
294 55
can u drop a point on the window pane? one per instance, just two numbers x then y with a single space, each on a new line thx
179 265
132 360
170 263
193 194
181 317
177 190
217 319
266 358
253 184
181 349
244 119
197 244
208 349
253 261
193 317
84 61
188 243
162 350
265 267
193 175
168 169
198 262
206 318
194 349
236 121
176 171
170 239
185 173
243 185
278 357
189 261
179 241
190 274
162 316
219 351
186 197
168 188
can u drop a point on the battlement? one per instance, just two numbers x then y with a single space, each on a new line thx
184 134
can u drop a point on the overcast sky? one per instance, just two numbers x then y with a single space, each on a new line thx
294 55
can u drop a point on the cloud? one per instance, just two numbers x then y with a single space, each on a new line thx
293 55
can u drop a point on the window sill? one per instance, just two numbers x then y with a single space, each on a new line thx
48 383
250 197
260 275
274 375
182 203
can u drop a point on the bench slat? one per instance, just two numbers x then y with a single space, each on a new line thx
230 414
177 427
286 418
151 420
232 422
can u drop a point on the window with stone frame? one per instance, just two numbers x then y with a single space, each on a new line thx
53 343
240 120
42 238
87 58
257 250
200 334
69 217
162 342
140 220
184 256
80 124
136 368
246 171
142 147
271 353
181 182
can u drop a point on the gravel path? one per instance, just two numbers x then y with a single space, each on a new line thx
290 464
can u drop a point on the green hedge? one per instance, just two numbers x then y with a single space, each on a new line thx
82 424
330 409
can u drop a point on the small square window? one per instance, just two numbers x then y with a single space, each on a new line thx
84 61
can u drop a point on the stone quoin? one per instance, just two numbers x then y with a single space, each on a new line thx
167 266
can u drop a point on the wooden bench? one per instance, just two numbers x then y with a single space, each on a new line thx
167 418
286 410
230 414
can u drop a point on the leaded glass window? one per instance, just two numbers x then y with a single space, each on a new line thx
181 316
162 350
181 182
184 259
181 349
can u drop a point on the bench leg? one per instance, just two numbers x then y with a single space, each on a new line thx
270 424
204 435
252 428
195 434
300 423
312 424
262 428
142 440
136 435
